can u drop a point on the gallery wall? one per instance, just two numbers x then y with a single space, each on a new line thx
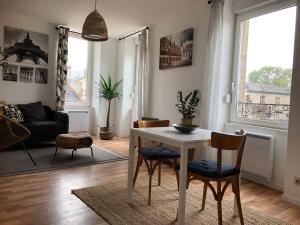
21 92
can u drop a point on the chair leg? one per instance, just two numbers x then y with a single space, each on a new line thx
55 151
150 183
137 169
26 150
92 151
219 199
159 173
238 198
204 196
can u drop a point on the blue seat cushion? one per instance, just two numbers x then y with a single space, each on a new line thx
159 152
208 168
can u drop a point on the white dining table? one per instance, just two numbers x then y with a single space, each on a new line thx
170 136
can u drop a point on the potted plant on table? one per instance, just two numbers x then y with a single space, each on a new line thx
187 105
108 91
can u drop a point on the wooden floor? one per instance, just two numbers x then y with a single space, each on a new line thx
45 198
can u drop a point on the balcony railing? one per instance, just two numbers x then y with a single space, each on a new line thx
273 112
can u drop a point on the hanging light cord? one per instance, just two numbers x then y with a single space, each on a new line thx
95 4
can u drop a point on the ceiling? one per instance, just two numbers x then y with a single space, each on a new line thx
121 16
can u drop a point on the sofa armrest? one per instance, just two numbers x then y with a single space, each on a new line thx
62 118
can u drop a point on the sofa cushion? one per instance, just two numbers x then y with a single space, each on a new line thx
33 112
13 112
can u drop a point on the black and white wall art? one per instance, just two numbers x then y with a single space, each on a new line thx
27 55
41 76
176 50
26 47
11 74
26 74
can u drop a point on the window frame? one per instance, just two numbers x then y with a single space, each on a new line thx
240 17
89 76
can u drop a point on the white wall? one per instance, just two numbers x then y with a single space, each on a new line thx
166 83
18 92
292 192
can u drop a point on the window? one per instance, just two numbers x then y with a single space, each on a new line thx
263 66
78 80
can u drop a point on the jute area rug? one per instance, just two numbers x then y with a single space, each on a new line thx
109 201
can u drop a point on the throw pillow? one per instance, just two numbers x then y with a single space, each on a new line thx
33 112
13 112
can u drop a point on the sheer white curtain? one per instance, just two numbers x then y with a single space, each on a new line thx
211 93
140 104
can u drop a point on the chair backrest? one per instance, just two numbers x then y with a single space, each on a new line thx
136 123
232 142
151 123
11 133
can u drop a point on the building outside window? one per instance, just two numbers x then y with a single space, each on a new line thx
78 79
263 65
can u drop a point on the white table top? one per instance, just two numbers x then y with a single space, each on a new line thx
172 135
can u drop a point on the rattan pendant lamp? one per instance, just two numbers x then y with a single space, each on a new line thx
94 27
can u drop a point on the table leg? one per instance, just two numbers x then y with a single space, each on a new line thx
130 167
182 185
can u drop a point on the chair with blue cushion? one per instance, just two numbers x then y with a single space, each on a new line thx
153 156
215 171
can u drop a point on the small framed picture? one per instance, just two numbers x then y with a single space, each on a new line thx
11 73
26 74
41 76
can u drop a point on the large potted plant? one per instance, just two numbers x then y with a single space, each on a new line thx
187 105
108 90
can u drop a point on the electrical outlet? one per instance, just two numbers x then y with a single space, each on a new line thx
297 181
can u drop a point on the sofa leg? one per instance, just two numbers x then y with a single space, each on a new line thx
56 151
73 153
28 153
92 151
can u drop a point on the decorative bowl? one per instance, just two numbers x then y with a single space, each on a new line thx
185 129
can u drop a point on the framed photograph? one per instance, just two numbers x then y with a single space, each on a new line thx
41 76
176 50
26 74
12 73
25 47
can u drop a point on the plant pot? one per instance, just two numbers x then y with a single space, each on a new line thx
106 133
187 121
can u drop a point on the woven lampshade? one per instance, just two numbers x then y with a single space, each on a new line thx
94 27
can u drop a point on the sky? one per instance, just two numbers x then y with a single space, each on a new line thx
271 40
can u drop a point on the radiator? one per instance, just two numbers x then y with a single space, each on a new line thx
79 120
258 157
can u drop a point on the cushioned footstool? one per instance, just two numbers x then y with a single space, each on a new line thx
74 142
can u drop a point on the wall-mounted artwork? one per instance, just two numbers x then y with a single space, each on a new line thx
11 73
176 50
26 47
26 74
41 76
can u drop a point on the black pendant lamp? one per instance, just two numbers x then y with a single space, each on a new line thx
94 27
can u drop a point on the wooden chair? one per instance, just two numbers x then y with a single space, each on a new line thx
12 133
157 154
215 171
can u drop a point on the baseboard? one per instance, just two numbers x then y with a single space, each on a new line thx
290 199
262 181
